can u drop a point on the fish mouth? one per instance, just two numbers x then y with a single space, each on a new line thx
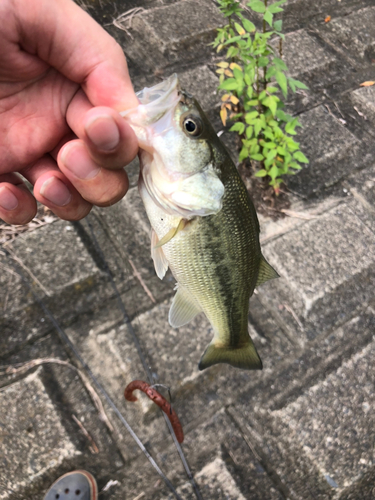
155 102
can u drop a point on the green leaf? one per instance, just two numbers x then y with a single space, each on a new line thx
269 145
238 75
263 61
238 127
281 80
261 173
257 157
249 132
277 25
290 126
274 172
229 84
295 166
280 64
272 90
248 25
299 156
280 115
253 102
292 85
250 116
232 52
243 154
271 71
257 6
281 150
257 127
270 102
271 154
268 134
274 9
300 85
232 40
268 17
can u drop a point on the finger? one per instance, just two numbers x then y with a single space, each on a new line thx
67 38
17 204
111 142
53 189
97 185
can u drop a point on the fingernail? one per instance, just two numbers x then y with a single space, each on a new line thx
76 159
103 132
56 192
8 200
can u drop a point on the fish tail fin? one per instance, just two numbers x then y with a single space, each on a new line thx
244 357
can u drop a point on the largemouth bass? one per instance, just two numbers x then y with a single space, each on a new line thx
204 225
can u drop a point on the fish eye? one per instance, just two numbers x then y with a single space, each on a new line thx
193 125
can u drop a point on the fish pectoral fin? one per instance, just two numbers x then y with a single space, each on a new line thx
171 233
244 357
183 309
266 272
158 256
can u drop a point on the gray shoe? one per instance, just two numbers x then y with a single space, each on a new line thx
76 485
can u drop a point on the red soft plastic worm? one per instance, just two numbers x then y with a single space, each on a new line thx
158 399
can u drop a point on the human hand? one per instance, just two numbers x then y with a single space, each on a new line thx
63 80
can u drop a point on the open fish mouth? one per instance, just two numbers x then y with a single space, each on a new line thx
155 103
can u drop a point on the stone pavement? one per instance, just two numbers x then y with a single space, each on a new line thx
303 428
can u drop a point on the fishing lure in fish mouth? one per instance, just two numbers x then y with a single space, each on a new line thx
204 224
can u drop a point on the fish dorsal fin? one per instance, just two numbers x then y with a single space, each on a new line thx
158 256
184 308
266 272
171 233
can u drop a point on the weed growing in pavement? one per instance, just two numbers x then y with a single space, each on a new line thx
254 76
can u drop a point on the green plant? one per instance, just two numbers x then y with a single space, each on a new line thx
254 75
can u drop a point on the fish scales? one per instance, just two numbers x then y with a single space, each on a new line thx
211 245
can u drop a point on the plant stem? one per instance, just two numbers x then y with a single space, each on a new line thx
265 67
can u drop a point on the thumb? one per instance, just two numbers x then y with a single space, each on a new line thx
68 39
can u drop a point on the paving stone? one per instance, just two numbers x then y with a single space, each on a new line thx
335 419
222 463
336 153
281 451
326 267
33 439
158 43
306 58
56 256
363 489
202 83
319 359
353 35
215 482
364 99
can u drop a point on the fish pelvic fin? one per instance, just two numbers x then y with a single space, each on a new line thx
244 357
266 272
157 254
171 233
183 309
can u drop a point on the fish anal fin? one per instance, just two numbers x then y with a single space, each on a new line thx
244 357
266 272
183 309
158 256
171 233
